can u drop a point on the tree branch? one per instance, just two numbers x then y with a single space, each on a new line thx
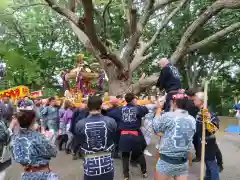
165 22
144 83
213 37
91 33
212 10
75 23
138 60
104 19
161 3
191 72
133 21
64 11
73 4
131 17
87 28
128 50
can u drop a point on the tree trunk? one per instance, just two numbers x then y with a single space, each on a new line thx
116 85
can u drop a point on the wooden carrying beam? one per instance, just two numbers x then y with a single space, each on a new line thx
204 133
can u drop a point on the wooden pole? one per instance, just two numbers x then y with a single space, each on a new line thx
203 133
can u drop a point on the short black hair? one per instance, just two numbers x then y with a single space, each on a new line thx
26 118
94 103
191 92
183 103
129 97
51 99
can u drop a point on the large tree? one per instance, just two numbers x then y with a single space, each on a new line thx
34 49
93 23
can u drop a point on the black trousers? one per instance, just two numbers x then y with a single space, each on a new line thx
219 156
62 139
75 145
212 151
197 146
116 141
139 157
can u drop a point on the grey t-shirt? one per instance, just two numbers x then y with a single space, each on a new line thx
178 128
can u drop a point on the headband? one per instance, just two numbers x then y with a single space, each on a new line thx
179 96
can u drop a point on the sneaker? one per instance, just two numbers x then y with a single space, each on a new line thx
145 175
126 178
147 153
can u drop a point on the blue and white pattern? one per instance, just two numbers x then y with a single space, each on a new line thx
147 129
96 134
33 149
174 71
178 128
98 165
129 114
172 170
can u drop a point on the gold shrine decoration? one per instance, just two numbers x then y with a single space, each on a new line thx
89 75
80 58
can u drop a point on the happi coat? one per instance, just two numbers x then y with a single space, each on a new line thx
31 148
96 134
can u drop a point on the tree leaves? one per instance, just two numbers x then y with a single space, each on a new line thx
37 43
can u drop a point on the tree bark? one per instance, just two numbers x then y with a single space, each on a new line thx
214 37
116 85
161 3
86 33
139 58
128 50
144 83
212 10
203 18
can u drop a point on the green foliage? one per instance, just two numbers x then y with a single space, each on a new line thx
36 47
37 43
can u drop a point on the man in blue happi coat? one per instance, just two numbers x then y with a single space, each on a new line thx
131 139
169 80
96 133
213 155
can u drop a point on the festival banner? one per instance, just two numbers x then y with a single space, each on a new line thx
15 92
36 94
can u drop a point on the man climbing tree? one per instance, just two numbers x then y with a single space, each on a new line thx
169 80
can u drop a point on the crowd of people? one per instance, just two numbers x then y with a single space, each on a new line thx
98 132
